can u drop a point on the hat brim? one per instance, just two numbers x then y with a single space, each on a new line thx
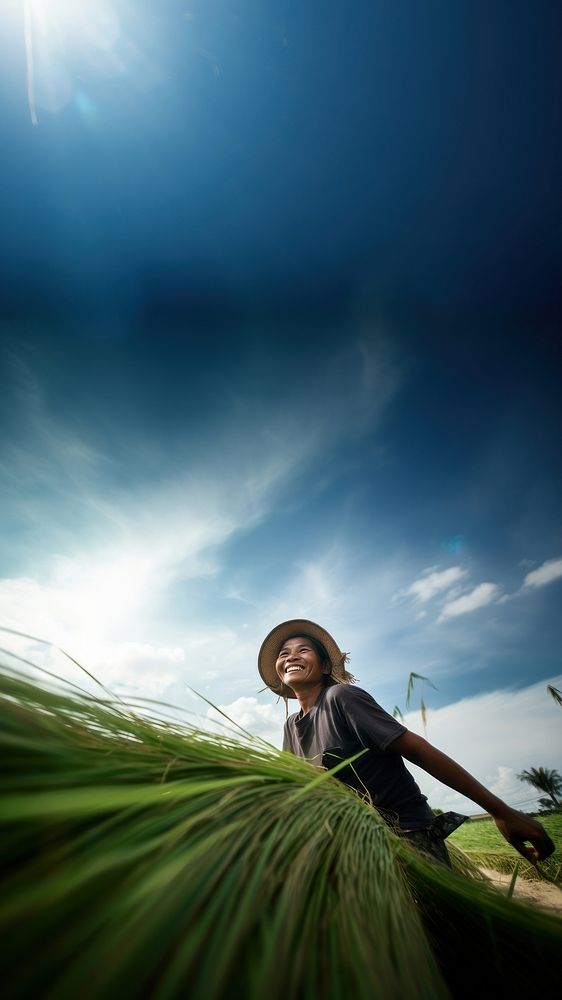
273 642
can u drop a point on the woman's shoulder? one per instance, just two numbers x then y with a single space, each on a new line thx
291 719
347 694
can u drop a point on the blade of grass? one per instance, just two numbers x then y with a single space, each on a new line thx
513 881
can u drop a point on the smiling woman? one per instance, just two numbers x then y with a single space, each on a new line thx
303 660
338 723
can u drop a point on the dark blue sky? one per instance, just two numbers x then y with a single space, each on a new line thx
281 302
236 151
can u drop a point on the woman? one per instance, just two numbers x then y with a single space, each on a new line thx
336 721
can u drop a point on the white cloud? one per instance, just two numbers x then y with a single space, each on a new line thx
433 582
549 571
506 785
129 669
138 667
493 736
546 573
482 595
263 720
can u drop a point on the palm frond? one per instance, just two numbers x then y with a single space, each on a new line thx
545 780
555 693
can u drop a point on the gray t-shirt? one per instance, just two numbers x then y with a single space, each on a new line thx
342 722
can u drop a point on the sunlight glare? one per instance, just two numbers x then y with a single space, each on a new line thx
111 592
58 33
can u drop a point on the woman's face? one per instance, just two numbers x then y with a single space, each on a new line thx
299 663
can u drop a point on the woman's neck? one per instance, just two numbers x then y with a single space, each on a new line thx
309 697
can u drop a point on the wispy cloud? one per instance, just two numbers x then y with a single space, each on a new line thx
433 582
45 452
483 594
113 548
444 584
549 571
444 587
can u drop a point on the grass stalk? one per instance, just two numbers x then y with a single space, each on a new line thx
145 858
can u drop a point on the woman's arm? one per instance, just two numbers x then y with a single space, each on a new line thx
513 825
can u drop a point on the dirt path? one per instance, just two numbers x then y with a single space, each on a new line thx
542 894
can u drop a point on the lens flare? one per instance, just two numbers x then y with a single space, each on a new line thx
29 61
58 34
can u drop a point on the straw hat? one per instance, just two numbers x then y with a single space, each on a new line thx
273 642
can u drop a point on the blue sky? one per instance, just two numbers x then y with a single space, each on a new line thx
281 338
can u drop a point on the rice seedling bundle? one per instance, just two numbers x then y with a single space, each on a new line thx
142 858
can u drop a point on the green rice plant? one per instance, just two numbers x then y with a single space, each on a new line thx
481 843
511 888
144 858
548 871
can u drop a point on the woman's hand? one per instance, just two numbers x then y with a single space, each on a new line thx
517 828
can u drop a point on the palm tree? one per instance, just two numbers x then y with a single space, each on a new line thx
544 780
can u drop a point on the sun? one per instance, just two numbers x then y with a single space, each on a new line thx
55 31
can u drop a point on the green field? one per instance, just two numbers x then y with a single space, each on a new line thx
481 838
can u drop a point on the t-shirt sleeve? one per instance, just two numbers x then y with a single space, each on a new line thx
289 735
365 718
